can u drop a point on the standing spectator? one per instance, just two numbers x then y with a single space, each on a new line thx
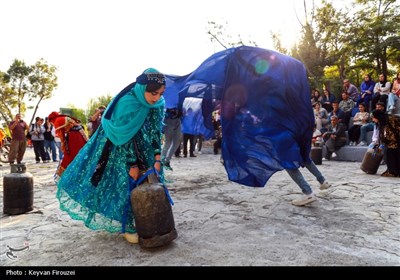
89 127
188 121
216 120
95 120
178 150
49 143
37 134
57 141
18 139
199 142
3 136
351 90
191 139
172 134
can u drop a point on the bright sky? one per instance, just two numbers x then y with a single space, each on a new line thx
100 46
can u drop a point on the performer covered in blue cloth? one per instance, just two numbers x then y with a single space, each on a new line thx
298 178
266 115
95 187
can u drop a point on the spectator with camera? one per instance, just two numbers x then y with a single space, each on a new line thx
18 140
95 119
49 143
37 136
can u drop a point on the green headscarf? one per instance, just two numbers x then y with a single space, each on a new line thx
129 113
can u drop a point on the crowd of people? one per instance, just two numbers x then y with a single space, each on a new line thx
135 134
349 118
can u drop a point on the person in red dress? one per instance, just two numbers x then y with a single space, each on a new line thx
72 135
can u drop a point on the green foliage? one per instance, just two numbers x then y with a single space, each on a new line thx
22 83
331 80
311 55
332 36
361 37
17 77
8 99
219 34
95 103
43 81
276 39
376 24
393 53
78 113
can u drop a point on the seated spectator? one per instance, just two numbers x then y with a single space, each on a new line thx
394 94
381 91
327 100
367 90
369 126
335 112
321 116
315 96
346 105
317 137
334 137
361 118
351 90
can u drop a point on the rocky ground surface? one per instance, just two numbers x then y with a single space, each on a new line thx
221 223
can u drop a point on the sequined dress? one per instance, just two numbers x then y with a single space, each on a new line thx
102 207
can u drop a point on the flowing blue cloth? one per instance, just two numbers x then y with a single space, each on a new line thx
266 114
129 110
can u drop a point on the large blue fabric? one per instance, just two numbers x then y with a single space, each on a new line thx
266 113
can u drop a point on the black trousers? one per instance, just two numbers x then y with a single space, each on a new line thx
192 140
217 145
38 148
393 161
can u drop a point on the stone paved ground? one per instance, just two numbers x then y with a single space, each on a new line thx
220 223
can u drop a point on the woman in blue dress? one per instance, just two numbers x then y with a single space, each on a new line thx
95 187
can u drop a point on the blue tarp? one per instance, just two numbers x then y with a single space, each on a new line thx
266 114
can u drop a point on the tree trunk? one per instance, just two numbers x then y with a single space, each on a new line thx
384 61
378 65
36 108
